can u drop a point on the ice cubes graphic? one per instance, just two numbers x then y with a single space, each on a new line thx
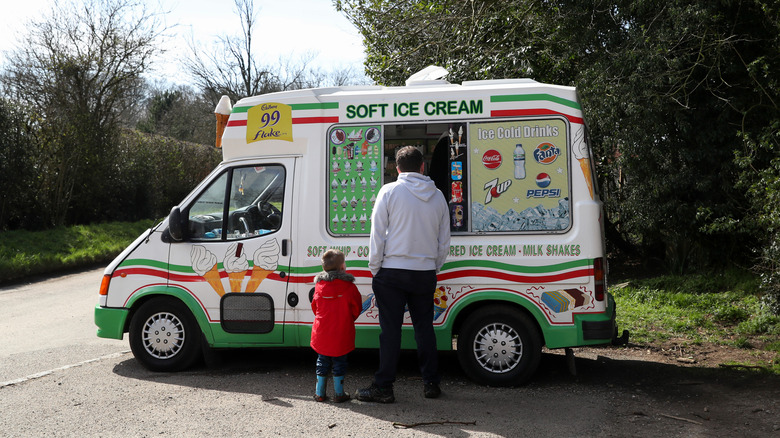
485 218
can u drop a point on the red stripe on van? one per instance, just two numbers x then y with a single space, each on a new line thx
588 272
295 121
531 112
305 120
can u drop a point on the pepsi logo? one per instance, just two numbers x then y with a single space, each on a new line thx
492 159
546 153
543 180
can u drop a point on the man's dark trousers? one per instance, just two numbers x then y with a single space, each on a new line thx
394 289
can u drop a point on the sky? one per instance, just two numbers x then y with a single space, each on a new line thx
285 28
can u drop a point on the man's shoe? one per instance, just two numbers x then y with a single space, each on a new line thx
375 394
431 390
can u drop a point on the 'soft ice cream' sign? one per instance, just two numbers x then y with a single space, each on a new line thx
269 121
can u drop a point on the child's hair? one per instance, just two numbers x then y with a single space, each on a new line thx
332 260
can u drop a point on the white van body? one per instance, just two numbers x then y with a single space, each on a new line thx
234 264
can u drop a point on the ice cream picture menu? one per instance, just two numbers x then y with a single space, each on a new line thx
354 177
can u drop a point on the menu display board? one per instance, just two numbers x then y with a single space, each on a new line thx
355 177
519 176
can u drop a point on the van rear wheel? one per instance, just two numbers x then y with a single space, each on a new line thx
499 347
164 336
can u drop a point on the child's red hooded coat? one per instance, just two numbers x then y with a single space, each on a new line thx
336 306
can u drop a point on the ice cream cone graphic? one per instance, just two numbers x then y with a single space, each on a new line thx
258 275
585 166
236 266
265 260
236 278
582 154
204 263
222 112
212 276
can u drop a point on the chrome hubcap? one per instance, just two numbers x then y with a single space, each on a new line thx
163 335
498 348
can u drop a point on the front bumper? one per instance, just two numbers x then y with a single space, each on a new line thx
110 322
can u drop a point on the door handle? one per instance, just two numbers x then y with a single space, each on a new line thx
284 247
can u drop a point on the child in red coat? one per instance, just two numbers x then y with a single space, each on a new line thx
336 306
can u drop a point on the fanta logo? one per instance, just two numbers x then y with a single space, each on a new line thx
546 153
492 159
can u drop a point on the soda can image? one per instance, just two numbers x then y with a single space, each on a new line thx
457 170
457 192
457 215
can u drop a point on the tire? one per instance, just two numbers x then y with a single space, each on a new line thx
499 347
164 336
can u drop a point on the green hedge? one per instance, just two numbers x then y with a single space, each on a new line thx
25 253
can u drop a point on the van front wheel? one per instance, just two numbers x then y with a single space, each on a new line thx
164 335
499 347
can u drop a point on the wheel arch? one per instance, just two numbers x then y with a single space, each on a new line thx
193 305
503 300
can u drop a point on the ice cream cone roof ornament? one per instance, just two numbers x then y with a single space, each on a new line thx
222 112
428 75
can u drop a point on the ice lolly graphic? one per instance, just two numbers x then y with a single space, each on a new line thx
204 263
439 302
366 302
265 259
222 112
236 266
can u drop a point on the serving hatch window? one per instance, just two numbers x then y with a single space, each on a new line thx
496 176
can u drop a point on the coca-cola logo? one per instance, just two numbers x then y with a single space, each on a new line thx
491 159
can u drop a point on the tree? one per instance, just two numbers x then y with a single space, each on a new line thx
18 153
233 68
668 87
81 67
178 112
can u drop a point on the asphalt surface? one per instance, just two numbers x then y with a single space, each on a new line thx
58 379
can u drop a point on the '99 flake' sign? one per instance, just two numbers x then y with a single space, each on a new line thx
269 121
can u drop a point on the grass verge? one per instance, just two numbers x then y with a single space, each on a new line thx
26 253
719 309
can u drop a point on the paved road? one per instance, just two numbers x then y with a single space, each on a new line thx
58 379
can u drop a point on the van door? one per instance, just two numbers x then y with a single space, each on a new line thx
238 246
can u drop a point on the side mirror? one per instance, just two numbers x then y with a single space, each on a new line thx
175 225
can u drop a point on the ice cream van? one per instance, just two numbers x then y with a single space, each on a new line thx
234 263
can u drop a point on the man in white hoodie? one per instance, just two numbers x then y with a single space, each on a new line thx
410 239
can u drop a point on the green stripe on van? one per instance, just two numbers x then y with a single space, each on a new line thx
515 268
529 97
297 106
143 262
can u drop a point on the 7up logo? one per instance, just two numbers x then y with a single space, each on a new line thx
494 189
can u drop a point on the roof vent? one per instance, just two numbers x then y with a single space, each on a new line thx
429 75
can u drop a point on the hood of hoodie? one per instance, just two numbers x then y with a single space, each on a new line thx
334 275
419 185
